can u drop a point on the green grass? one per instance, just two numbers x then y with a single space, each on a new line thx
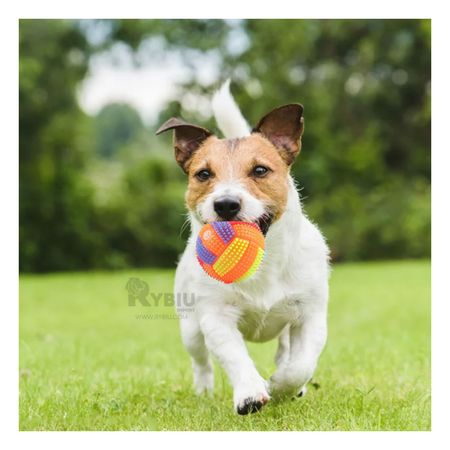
88 363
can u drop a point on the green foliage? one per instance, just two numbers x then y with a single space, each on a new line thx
88 361
54 200
366 87
116 125
143 215
102 192
391 219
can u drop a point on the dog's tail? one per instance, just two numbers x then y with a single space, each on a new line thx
228 115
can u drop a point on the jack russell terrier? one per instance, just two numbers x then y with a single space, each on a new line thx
246 177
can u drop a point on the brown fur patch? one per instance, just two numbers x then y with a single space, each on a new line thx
234 159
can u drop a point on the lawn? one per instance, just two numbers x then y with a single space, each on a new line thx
89 361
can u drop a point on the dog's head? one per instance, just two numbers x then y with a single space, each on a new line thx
242 179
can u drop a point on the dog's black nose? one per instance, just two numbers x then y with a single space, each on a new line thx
227 207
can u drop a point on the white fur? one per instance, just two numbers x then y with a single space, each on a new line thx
228 115
286 298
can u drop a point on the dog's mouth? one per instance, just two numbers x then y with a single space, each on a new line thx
263 222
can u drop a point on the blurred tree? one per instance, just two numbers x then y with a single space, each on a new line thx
144 214
116 125
366 88
364 168
54 209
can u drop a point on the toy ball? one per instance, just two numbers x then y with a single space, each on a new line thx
230 251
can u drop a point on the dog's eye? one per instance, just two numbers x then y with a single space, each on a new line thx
203 175
260 171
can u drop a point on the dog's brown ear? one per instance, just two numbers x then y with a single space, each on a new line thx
187 138
284 128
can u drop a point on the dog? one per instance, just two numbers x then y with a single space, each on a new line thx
245 176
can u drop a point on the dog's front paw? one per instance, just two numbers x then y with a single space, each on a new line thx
280 389
250 399
287 383
251 404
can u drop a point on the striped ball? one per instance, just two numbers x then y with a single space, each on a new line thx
230 251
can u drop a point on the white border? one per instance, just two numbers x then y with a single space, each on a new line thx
227 9
279 9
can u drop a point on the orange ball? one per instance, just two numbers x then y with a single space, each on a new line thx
230 251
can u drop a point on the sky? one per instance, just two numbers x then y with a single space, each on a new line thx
114 76
147 88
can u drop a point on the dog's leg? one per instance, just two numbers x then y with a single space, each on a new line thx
226 343
194 342
282 354
307 340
